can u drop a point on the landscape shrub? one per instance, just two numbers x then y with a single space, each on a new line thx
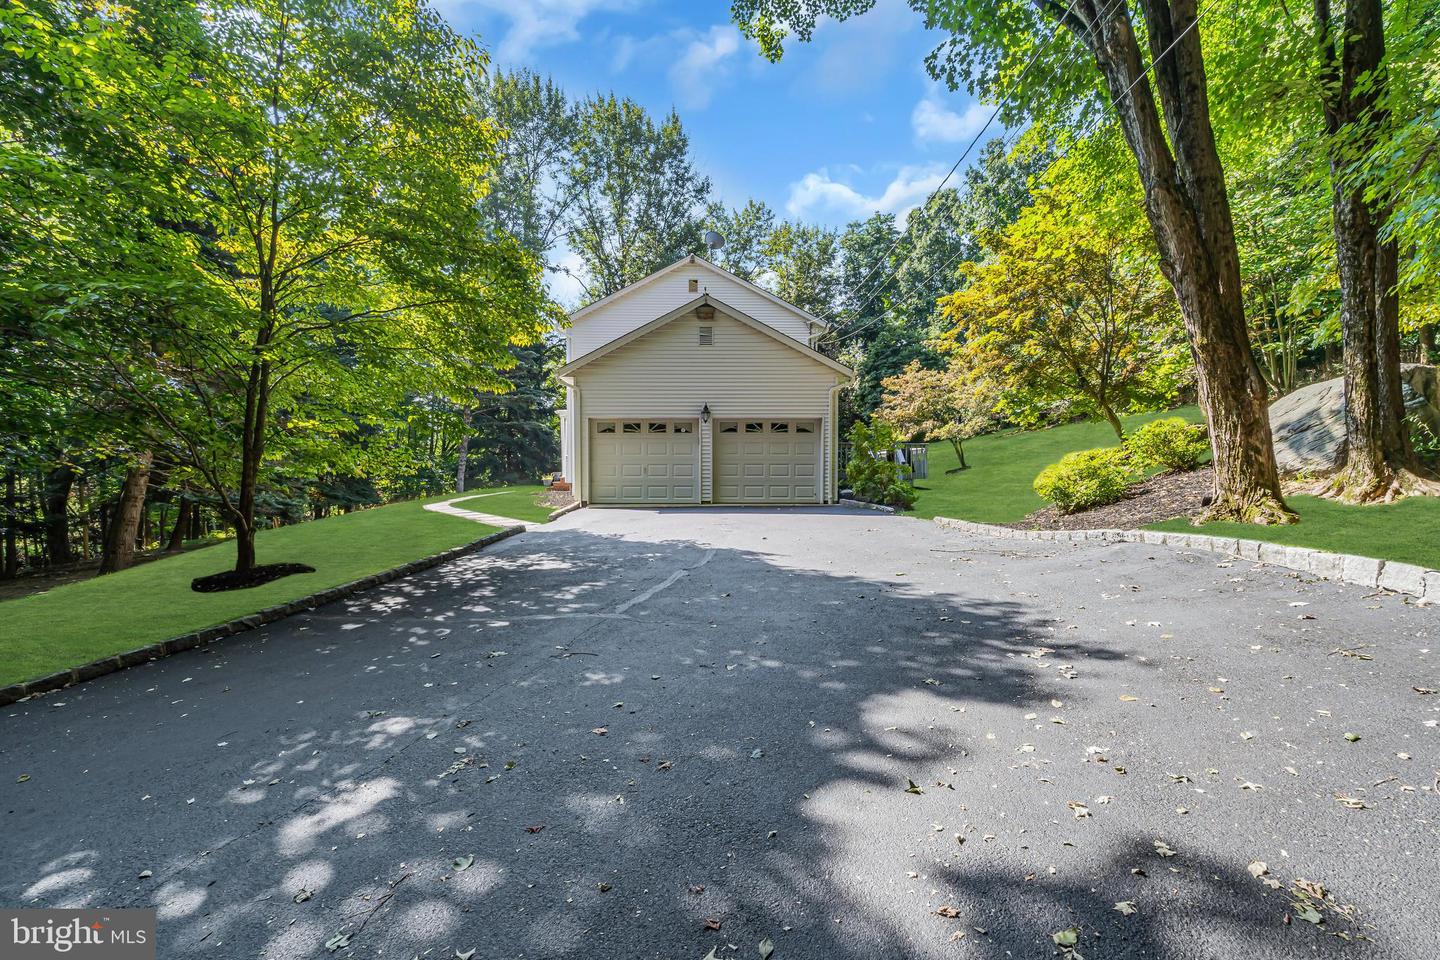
1086 478
870 472
1168 444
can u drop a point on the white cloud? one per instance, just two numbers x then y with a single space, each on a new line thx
933 122
818 196
535 24
702 67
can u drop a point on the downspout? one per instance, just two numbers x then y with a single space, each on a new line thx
833 494
579 441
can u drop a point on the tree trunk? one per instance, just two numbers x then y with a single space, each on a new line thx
119 550
1428 353
461 459
182 520
56 508
1114 421
11 567
959 446
1379 459
1189 213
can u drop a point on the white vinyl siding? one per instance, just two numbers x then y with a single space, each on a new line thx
743 373
664 294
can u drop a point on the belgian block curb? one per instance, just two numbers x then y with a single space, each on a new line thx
164 648
1392 575
568 508
865 505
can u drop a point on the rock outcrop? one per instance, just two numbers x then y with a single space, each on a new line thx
1309 424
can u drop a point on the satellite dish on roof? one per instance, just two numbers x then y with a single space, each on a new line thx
713 240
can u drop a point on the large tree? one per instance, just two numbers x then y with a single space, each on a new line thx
1354 95
1166 124
1064 315
339 257
636 194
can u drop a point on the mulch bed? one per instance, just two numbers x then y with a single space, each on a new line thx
254 577
555 499
1162 497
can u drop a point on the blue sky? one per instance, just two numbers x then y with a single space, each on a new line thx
843 126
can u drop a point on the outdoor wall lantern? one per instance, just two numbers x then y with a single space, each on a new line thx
705 413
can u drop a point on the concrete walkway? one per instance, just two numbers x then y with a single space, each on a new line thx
490 519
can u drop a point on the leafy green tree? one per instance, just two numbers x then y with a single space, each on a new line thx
338 255
1004 51
953 404
800 266
1063 315
746 230
635 194
527 195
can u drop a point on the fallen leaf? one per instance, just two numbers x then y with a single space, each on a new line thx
463 863
22 778
603 887
1258 868
766 948
466 955
1353 737
947 911
1163 849
301 896
337 941
1126 698
696 889
1067 937
535 829
600 731
1308 913
712 923
1126 907
913 787
1351 803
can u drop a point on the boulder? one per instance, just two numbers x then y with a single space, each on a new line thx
1309 424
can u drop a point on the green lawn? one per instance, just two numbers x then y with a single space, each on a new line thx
997 487
80 622
1408 531
517 502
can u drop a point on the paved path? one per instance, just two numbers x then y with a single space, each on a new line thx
448 506
639 723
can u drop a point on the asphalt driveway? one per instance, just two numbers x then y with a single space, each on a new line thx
638 734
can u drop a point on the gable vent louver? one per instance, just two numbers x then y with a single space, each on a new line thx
707 336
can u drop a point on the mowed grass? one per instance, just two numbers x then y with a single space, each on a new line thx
1003 466
80 622
997 489
1408 531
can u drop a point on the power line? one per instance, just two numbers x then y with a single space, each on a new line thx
1095 126
1034 58
895 272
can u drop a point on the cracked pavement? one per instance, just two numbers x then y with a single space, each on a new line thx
613 734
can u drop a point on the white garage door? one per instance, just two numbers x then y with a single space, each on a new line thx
767 461
644 461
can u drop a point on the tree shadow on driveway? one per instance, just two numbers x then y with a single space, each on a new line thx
592 746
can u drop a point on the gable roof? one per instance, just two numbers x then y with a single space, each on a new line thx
705 299
695 260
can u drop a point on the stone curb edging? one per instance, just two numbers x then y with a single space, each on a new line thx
570 508
1392 575
164 648
865 505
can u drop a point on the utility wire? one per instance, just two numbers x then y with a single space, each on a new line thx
1034 58
893 273
1090 131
